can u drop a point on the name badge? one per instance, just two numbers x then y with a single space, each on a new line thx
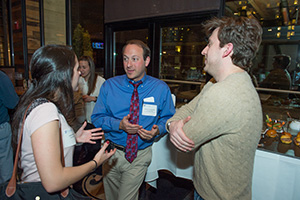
149 110
68 138
149 100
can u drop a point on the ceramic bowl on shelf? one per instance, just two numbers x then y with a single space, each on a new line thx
294 127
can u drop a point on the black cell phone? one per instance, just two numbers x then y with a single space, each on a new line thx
110 146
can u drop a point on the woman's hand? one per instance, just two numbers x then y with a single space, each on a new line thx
103 154
88 136
87 98
47 155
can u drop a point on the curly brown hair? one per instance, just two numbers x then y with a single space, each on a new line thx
244 33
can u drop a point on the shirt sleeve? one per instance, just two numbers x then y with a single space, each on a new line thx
101 117
167 111
9 98
40 116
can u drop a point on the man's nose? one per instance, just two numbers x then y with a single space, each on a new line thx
129 63
204 51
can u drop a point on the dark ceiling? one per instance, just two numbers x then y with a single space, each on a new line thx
89 14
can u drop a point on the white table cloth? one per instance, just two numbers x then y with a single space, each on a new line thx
275 176
166 157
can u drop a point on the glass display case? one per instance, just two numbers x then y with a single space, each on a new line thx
181 65
282 107
181 57
275 71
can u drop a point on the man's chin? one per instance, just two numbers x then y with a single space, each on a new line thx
130 76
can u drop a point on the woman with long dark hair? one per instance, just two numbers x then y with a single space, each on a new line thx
89 84
54 70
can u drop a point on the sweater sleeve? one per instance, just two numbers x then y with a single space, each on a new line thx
209 113
186 110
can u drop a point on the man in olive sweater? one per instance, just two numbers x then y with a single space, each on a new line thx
223 123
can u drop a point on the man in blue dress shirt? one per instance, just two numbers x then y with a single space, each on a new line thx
8 100
122 179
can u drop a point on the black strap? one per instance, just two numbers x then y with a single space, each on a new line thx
36 103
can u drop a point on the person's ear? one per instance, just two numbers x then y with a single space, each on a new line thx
147 61
228 50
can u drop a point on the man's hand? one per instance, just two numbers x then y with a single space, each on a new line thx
178 137
128 127
88 136
148 135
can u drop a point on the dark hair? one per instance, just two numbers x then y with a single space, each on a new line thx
93 76
146 49
244 33
51 70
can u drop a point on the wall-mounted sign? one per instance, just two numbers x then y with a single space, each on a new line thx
97 45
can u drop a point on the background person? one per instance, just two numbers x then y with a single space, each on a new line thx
8 100
223 123
115 112
89 84
54 70
279 77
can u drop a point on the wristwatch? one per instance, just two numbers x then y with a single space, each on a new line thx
168 127
95 99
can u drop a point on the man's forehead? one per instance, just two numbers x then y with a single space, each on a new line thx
214 35
215 32
134 55
133 46
133 50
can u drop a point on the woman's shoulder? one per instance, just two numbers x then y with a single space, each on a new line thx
41 114
100 79
42 105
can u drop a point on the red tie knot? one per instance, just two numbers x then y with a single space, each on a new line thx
136 85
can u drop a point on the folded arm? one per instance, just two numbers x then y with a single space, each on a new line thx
178 136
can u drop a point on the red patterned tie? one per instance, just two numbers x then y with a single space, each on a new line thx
132 139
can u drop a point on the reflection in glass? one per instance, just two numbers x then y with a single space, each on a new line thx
296 75
281 35
279 77
181 61
275 64
181 57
